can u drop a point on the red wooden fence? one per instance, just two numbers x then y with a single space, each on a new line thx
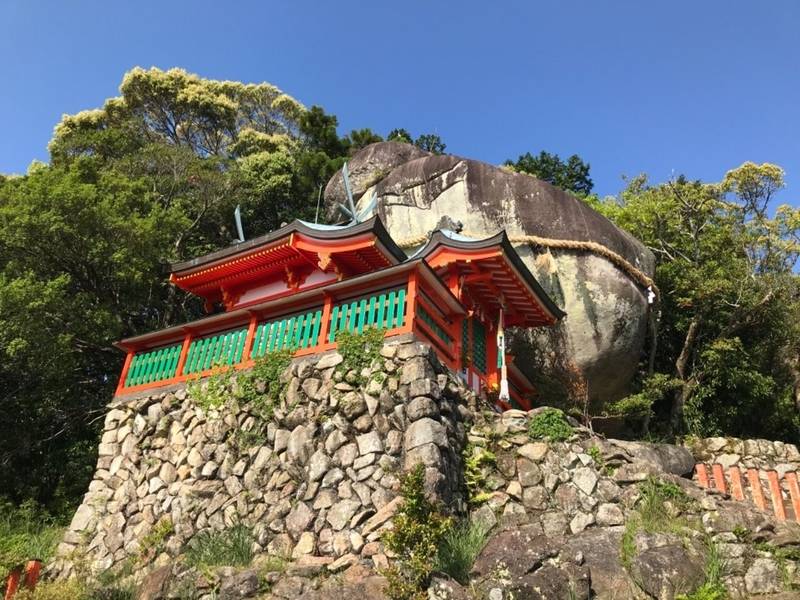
765 488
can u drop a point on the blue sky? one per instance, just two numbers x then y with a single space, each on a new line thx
657 87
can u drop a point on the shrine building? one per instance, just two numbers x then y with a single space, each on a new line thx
299 286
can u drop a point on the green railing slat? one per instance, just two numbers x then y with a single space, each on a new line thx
240 346
381 310
352 317
298 330
163 358
401 308
151 363
362 310
315 333
307 326
371 312
390 309
332 332
343 317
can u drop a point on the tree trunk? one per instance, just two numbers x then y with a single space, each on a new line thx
683 393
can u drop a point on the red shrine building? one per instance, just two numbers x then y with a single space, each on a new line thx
297 287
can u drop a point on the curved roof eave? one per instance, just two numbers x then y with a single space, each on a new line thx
442 238
322 232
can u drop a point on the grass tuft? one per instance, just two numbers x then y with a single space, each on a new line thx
229 548
26 532
459 548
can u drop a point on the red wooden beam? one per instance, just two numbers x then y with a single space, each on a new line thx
794 493
777 495
737 489
719 478
702 474
755 488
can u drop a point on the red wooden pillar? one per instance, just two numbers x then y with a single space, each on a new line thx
491 356
125 369
32 571
719 478
737 489
248 341
794 493
187 341
457 326
12 582
411 301
755 488
327 307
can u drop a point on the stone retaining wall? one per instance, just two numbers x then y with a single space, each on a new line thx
749 454
320 480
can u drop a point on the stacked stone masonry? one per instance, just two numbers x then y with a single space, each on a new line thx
748 454
322 481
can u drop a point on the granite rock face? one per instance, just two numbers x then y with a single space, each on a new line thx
604 332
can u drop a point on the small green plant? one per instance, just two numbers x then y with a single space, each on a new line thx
228 548
475 458
419 528
26 532
713 588
459 548
359 350
213 392
551 425
153 543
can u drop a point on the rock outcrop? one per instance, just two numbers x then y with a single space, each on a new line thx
604 332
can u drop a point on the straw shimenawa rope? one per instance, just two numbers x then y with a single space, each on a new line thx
619 261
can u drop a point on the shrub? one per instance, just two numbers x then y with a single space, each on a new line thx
419 528
459 548
228 548
551 425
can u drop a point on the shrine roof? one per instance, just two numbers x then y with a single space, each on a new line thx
493 269
313 230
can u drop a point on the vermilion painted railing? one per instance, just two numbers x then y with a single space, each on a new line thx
315 329
783 493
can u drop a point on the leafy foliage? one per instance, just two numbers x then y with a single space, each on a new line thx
359 350
727 338
571 175
419 528
475 459
550 424
150 177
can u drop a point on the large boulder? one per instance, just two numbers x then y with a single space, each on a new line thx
607 310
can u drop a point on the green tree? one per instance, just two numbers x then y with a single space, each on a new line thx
430 142
728 332
151 177
399 135
358 138
571 175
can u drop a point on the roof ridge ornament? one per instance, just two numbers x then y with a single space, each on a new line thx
350 210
